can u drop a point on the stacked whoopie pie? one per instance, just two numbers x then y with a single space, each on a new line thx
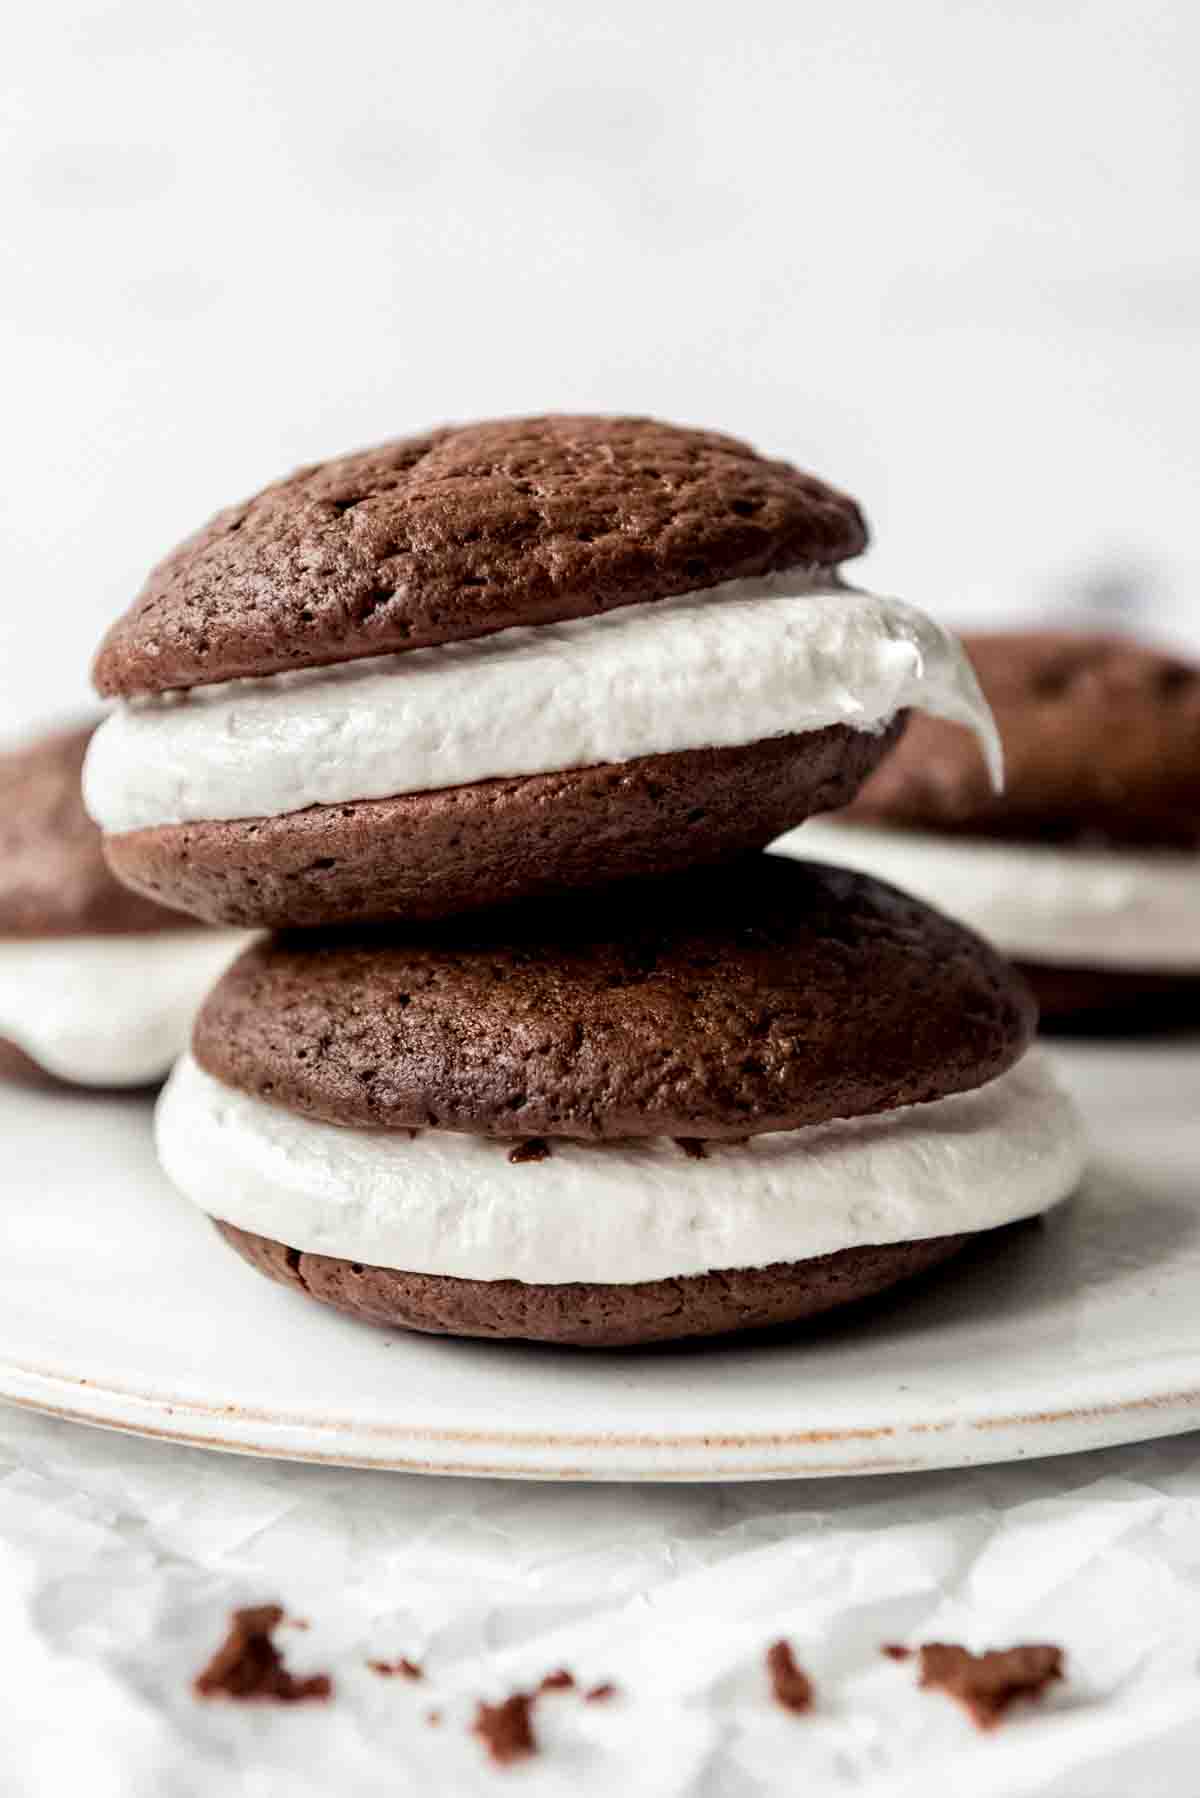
98 985
490 725
1086 868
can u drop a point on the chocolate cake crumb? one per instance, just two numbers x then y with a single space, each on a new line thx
693 1147
535 1149
987 1684
790 1685
601 1694
896 1651
433 1718
404 1667
506 1730
248 1666
559 1681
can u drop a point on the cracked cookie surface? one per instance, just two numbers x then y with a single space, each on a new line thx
465 531
765 995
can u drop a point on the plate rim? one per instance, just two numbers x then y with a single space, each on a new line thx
1006 1437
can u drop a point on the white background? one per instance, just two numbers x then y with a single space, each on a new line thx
944 253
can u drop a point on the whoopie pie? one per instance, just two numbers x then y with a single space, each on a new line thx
497 662
710 1103
1086 867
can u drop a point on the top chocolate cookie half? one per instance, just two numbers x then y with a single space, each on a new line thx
54 880
1101 739
766 995
463 532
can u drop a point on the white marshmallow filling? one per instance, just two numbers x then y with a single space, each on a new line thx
733 665
616 1213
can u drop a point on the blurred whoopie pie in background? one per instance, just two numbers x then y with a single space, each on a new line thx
98 985
1086 868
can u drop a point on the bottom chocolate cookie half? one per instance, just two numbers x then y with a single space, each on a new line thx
16 1065
422 856
21 1070
1113 1001
596 1316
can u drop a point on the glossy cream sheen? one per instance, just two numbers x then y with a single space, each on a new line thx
1087 908
448 1203
732 665
109 1010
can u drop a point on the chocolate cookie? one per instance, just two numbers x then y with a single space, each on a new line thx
16 1066
54 880
1101 745
764 996
499 662
1086 869
1108 1001
717 1102
464 531
424 856
98 984
582 1315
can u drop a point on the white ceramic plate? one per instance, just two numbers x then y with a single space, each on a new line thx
120 1306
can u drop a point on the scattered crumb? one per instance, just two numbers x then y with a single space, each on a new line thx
404 1667
506 1730
790 1685
433 1718
693 1147
561 1681
602 1693
535 1149
987 1684
896 1651
248 1666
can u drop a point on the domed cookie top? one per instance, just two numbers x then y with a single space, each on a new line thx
462 532
765 996
1102 744
54 880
